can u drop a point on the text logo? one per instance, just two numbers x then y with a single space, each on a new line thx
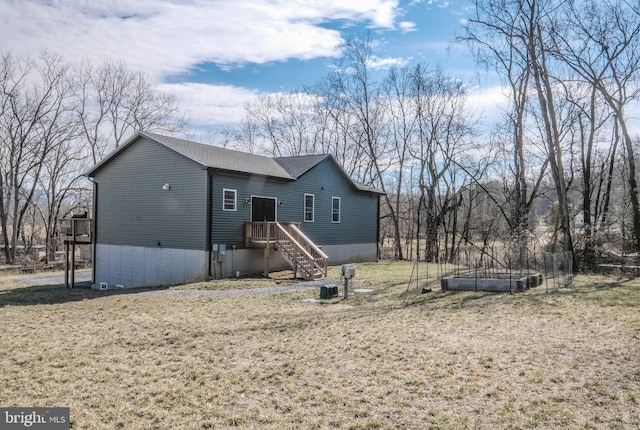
34 418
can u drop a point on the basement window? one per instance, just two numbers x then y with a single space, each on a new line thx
229 199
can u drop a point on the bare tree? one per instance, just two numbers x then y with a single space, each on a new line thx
442 129
113 102
494 36
360 95
61 183
362 99
48 111
491 38
339 125
513 35
36 119
594 152
399 94
287 121
600 41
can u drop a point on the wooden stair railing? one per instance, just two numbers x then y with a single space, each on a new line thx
320 259
303 255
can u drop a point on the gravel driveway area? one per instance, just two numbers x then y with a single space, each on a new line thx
83 279
82 276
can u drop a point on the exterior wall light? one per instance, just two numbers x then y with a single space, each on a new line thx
166 187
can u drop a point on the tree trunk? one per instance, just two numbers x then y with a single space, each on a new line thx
4 223
633 183
554 148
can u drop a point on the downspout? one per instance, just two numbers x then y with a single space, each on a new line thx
94 230
378 228
208 221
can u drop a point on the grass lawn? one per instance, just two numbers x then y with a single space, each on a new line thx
391 359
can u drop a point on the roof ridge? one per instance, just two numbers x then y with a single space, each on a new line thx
233 160
207 156
206 145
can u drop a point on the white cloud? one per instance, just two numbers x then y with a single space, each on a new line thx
164 37
207 104
386 63
490 102
172 37
407 26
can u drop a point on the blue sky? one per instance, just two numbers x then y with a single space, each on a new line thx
429 40
217 55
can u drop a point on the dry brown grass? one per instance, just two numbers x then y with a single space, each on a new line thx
395 359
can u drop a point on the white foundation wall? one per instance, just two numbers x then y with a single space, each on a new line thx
134 266
351 253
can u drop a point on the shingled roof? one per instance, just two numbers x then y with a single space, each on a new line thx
209 156
299 165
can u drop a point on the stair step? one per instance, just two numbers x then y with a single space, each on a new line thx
307 268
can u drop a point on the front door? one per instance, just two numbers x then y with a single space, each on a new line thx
263 209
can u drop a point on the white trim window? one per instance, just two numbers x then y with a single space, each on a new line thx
335 209
229 199
309 204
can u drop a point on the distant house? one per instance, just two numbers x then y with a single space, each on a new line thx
169 211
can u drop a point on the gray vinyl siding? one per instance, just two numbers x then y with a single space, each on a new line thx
358 212
133 209
227 227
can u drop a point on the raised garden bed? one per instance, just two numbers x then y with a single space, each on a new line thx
499 283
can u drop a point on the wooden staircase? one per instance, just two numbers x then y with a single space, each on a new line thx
300 252
305 258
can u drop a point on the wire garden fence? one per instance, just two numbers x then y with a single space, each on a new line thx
554 269
558 270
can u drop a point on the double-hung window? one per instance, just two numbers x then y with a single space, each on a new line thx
309 200
335 209
229 200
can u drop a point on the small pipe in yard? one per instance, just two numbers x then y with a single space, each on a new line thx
427 274
510 278
213 266
476 277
